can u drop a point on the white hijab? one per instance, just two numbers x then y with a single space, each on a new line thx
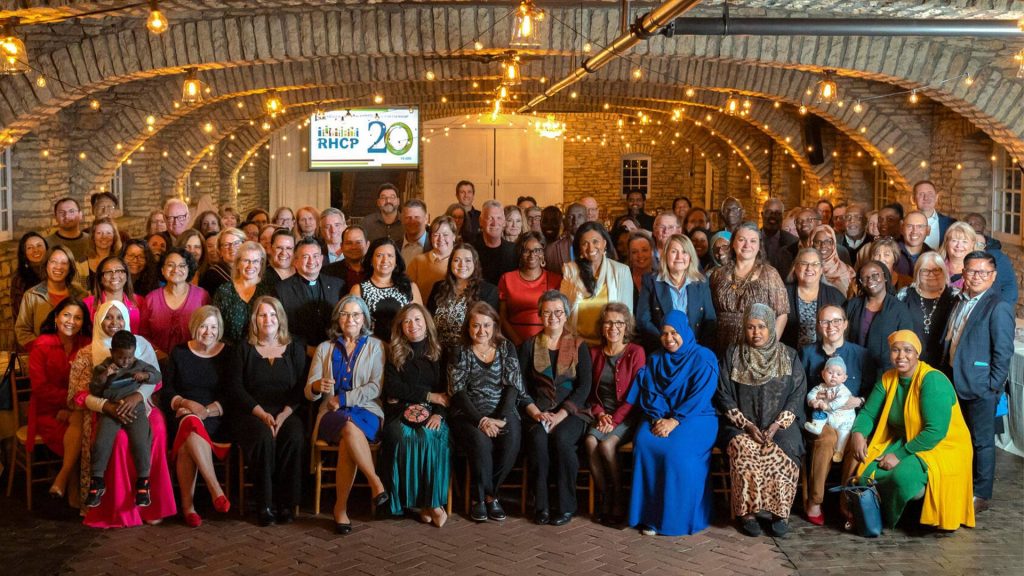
101 341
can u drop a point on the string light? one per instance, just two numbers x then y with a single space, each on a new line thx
526 26
378 99
94 104
511 75
828 90
430 75
637 73
586 48
1019 57
858 107
478 45
803 110
274 105
156 23
41 81
914 97
732 104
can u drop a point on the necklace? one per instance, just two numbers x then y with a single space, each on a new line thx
928 313
738 283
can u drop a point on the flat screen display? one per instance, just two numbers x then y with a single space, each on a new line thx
365 138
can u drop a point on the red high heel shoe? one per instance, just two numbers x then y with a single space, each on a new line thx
221 504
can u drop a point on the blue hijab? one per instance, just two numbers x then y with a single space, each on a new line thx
681 383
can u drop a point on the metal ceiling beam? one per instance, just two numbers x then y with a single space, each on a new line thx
728 26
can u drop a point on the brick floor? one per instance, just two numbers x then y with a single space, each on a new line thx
50 540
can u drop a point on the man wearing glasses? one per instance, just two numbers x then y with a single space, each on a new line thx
68 215
979 346
176 214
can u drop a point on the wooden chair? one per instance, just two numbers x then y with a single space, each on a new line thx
521 484
623 449
20 457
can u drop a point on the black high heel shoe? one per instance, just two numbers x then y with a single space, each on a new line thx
380 499
342 528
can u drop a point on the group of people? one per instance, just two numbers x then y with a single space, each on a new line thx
487 332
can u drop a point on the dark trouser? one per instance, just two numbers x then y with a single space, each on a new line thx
558 449
980 416
140 442
490 459
275 463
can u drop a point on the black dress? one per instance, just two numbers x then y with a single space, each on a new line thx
275 462
929 317
199 379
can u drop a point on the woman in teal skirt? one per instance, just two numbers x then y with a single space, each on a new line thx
415 463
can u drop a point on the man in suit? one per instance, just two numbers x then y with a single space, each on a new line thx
776 241
308 297
979 337
416 240
925 198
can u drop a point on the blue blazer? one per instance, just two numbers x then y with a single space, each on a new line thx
944 223
861 370
981 365
655 302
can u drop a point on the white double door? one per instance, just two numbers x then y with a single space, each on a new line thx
502 161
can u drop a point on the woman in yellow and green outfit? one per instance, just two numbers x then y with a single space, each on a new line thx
920 446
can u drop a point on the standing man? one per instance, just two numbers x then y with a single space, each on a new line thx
68 215
384 222
560 251
776 241
681 207
308 297
824 208
856 232
354 247
979 336
177 217
415 240
593 212
839 219
912 244
533 218
636 201
332 224
497 255
465 192
551 224
730 214
1007 283
925 198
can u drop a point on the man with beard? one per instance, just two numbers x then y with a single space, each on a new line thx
635 203
560 251
839 218
385 221
354 247
775 240
497 255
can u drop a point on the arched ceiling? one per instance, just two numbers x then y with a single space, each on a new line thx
344 51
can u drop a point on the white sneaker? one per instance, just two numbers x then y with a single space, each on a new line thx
815 426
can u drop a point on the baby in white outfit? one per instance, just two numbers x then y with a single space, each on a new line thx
828 400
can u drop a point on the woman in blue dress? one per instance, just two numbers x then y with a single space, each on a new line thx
672 448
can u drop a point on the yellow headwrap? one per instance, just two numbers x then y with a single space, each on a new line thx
907 336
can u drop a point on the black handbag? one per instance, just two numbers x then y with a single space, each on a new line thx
417 414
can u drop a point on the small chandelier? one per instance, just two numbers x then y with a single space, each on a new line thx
274 105
13 57
156 22
319 114
828 91
526 25
192 88
511 75
732 104
550 127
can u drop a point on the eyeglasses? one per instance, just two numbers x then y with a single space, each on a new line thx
931 271
234 244
809 264
983 274
113 273
807 220
558 314
872 277
823 243
135 257
533 251
178 218
173 266
615 323
832 322
347 315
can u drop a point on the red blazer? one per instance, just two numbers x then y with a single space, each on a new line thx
633 359
49 369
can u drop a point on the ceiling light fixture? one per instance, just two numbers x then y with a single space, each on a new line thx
191 88
13 57
156 23
526 25
828 90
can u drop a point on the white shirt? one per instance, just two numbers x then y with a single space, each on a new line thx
413 249
933 240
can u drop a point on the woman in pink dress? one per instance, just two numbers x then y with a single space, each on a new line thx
63 334
115 283
520 289
118 509
168 309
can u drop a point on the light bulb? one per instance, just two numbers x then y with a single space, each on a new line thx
913 97
858 107
378 99
94 104
430 75
156 23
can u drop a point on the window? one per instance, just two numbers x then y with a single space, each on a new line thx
6 224
1006 200
885 191
636 173
116 187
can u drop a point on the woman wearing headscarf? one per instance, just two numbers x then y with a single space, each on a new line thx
672 448
920 446
834 271
760 396
118 508
718 251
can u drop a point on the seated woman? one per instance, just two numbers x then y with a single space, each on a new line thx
66 331
677 285
194 385
672 450
348 368
920 445
614 366
118 507
416 461
556 373
264 389
485 384
760 398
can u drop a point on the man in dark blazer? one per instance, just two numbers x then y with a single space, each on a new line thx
308 297
979 340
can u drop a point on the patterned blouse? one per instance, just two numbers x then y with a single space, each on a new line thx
384 304
235 311
449 318
732 297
